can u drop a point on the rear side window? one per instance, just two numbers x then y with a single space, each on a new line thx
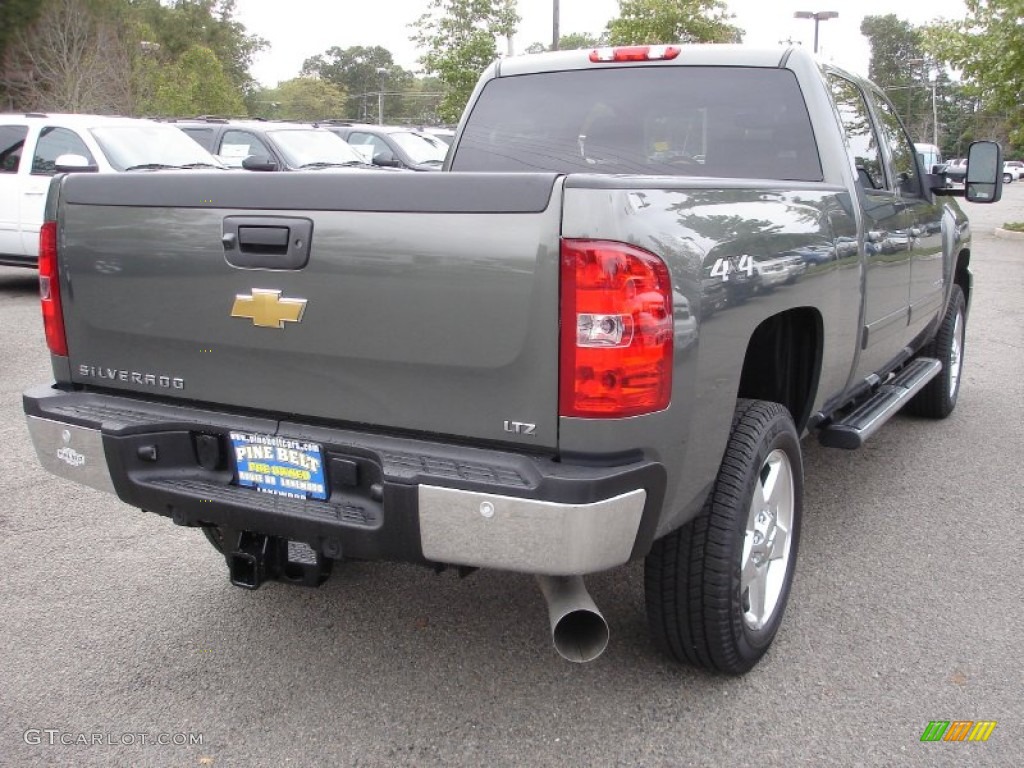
54 142
202 136
12 141
682 121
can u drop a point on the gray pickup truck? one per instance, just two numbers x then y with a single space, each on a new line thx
601 335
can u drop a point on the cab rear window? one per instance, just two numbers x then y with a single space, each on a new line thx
735 122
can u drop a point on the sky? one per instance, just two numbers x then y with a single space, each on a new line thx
299 29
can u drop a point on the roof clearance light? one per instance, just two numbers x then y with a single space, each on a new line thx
636 53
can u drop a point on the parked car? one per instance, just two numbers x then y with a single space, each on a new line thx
1012 171
447 135
393 146
772 271
33 147
931 158
259 145
956 170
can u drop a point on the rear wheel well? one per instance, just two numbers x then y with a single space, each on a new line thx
783 362
961 276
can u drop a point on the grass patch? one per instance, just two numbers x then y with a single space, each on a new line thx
1014 226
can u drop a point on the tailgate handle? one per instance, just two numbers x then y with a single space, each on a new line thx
264 239
267 242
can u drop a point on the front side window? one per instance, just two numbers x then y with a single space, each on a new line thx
235 146
861 141
311 147
12 141
736 122
904 159
54 142
379 146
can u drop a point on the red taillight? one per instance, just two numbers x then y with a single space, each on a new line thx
616 338
636 53
49 290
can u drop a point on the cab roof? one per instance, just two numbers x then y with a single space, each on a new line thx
715 55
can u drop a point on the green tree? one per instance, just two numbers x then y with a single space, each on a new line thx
571 42
305 98
459 39
577 40
987 46
958 118
363 72
72 57
896 50
15 15
672 21
123 55
900 66
195 84
180 25
420 103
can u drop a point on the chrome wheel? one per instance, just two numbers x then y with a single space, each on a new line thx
956 354
766 546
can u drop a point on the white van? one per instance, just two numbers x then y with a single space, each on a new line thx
33 147
930 156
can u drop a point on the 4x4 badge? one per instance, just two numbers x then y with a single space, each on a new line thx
267 309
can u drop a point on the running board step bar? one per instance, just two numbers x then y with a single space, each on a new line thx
856 427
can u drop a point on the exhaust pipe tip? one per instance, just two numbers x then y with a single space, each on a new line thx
578 630
580 636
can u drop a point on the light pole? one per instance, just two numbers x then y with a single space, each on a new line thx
818 16
382 73
554 25
935 115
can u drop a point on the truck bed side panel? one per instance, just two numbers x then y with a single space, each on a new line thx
699 227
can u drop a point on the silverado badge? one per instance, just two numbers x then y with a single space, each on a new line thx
267 309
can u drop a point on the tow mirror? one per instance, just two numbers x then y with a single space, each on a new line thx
984 180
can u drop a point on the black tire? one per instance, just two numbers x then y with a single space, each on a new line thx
1007 178
697 608
938 398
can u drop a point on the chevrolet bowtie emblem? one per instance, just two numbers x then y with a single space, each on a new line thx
267 309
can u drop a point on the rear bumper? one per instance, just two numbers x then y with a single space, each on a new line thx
392 498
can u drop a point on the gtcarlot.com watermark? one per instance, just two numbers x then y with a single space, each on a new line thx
52 737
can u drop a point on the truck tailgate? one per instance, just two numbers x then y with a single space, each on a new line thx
425 302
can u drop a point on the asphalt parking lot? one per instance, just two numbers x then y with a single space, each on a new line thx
906 609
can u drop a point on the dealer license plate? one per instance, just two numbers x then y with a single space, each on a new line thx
279 465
